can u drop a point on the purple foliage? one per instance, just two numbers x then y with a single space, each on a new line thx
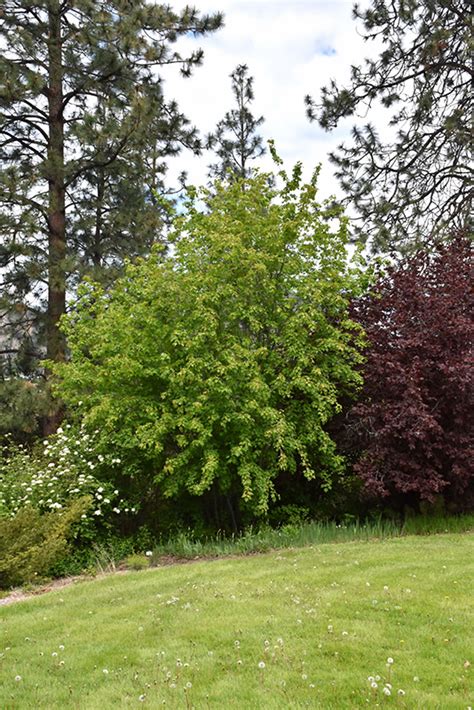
415 414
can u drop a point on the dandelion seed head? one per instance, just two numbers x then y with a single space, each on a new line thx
261 665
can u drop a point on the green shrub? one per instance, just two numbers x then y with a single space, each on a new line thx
136 562
63 468
104 554
219 366
31 542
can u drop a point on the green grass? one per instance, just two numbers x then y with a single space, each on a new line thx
106 557
322 619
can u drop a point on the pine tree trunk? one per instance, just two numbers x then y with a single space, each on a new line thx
56 345
97 251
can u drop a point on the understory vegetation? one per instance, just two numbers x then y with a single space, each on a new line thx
257 376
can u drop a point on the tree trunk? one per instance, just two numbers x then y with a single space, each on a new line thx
55 341
97 252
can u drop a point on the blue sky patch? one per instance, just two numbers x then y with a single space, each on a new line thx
326 50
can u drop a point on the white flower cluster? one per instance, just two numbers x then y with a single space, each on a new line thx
67 466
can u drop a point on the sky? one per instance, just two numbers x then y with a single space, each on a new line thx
292 48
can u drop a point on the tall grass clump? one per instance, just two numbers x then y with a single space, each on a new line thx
186 545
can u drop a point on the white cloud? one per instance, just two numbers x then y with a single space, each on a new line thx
291 49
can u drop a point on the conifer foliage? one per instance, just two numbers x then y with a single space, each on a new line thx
418 181
235 140
80 99
415 414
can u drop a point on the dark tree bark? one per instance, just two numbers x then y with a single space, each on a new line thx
56 190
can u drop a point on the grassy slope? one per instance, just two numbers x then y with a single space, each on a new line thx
340 610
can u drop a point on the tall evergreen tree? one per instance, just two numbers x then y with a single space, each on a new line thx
235 140
415 186
118 208
79 98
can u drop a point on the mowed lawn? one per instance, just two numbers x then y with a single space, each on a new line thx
293 628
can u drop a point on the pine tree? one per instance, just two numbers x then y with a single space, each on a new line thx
119 212
235 140
420 183
79 94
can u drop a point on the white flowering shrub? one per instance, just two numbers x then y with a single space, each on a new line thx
61 469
